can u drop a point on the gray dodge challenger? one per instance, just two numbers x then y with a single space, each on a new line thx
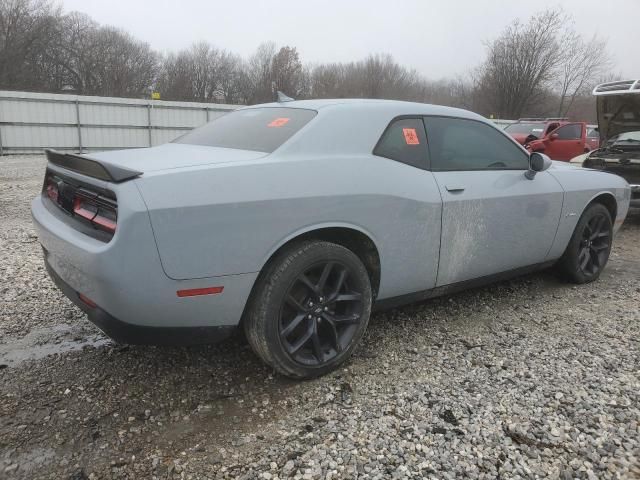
293 220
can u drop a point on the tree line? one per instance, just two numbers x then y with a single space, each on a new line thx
541 67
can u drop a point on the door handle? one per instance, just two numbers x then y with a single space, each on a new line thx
454 188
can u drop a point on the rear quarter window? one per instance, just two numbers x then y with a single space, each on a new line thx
258 129
405 141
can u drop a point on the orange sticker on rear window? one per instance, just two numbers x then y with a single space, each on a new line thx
278 122
410 136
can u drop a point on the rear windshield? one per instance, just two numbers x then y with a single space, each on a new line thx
526 128
259 129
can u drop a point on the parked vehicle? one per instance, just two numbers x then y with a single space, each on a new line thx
294 220
618 105
593 137
527 129
563 143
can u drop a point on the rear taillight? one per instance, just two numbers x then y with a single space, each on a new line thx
97 210
52 190
86 203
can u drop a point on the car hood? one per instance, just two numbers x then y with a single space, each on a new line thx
173 155
618 114
560 165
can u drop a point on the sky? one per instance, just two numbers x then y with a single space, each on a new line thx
439 38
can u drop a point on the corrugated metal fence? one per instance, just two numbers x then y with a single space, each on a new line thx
30 122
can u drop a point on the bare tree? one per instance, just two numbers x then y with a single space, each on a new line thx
26 27
230 78
257 85
120 65
541 67
582 63
287 72
521 63
202 73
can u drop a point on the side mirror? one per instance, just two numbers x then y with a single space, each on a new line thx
553 136
538 162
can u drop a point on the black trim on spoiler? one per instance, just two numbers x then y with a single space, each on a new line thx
91 167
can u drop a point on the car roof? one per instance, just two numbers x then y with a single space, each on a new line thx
354 125
385 107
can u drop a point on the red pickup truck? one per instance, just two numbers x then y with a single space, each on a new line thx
525 130
567 141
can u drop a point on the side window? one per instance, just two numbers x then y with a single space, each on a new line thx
551 128
593 133
573 131
404 140
459 144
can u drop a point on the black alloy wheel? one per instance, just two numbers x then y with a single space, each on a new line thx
309 309
595 244
588 250
320 313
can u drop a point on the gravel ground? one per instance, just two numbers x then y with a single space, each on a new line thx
530 378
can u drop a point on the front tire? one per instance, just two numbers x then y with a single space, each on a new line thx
590 245
310 309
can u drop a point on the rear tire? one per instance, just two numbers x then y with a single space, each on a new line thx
590 245
310 309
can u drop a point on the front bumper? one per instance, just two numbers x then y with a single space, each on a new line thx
123 332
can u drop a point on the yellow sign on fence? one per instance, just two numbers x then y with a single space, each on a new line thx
155 96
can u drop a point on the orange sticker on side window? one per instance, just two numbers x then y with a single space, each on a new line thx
278 122
410 136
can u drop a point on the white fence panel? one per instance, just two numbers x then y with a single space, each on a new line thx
30 122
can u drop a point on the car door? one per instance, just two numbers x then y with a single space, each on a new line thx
493 218
593 138
566 142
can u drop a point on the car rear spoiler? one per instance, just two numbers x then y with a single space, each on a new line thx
91 167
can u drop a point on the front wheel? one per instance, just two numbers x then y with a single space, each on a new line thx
589 247
310 309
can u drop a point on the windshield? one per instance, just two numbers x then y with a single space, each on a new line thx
526 128
258 129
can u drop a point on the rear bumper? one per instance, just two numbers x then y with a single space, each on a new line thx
123 332
136 301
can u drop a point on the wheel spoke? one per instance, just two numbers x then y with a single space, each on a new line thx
317 346
601 234
301 342
326 271
294 303
309 284
342 276
335 339
297 320
599 222
583 258
342 319
348 297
